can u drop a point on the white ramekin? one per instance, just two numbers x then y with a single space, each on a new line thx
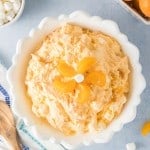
17 15
17 71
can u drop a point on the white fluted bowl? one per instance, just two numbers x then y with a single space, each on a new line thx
16 78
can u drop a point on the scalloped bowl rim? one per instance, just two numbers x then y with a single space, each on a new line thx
93 22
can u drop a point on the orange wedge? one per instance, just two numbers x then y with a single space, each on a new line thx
85 64
96 78
65 69
84 93
64 87
146 128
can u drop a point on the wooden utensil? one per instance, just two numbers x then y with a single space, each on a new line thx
7 126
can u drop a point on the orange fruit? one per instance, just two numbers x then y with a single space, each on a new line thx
65 69
146 128
96 78
84 93
64 87
85 64
145 7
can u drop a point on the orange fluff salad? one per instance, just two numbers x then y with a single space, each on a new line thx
78 80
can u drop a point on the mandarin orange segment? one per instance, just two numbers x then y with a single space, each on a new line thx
65 69
146 128
96 78
84 93
64 87
85 64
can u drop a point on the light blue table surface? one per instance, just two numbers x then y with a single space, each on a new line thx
137 32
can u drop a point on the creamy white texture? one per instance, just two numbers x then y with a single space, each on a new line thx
8 10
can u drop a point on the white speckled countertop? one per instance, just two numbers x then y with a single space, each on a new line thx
137 32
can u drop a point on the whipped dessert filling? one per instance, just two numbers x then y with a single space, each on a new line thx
78 80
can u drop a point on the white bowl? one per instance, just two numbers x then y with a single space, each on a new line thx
19 13
16 75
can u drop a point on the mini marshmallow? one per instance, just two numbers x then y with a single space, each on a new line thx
1 22
16 6
2 15
79 78
131 146
1 7
13 1
8 6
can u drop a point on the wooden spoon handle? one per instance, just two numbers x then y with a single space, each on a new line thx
14 145
7 126
12 139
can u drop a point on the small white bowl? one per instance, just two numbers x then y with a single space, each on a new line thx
16 78
19 13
